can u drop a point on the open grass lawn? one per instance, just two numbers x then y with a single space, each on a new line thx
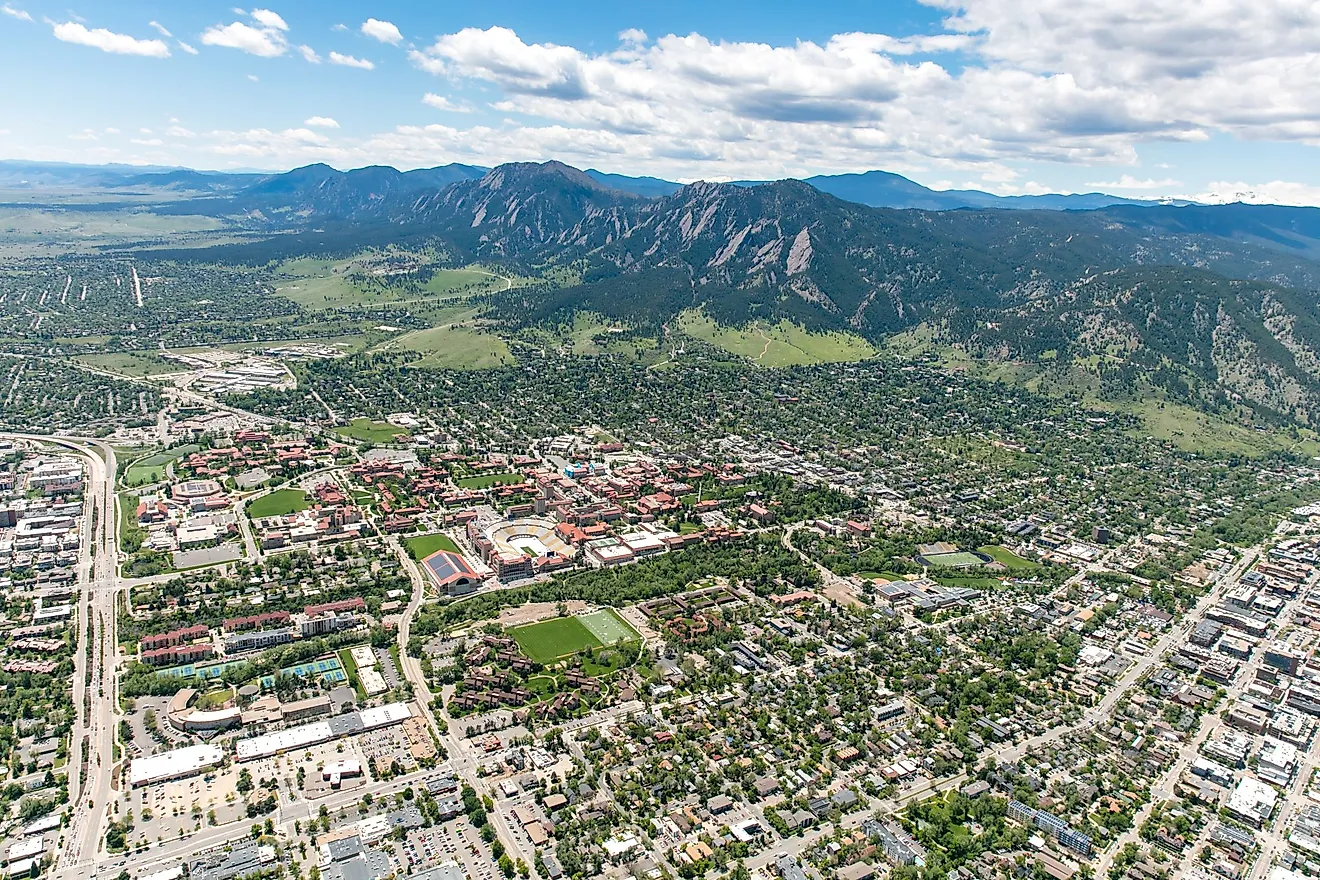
550 641
278 503
1007 558
152 469
423 546
455 347
485 481
370 431
129 363
780 345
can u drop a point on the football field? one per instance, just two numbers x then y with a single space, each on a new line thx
608 627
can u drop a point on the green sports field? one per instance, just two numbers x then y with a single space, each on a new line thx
961 559
423 546
550 641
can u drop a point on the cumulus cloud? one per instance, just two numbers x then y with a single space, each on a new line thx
264 38
20 14
109 41
266 18
384 31
309 55
147 142
321 122
440 102
350 61
999 82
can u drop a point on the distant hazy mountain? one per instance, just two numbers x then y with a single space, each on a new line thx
650 187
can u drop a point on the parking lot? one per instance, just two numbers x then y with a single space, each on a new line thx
454 841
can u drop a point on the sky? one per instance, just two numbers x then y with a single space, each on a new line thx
1216 100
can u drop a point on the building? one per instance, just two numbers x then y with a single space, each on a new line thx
1252 802
1281 656
176 764
332 728
1054 826
453 575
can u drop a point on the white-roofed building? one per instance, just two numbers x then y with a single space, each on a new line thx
175 764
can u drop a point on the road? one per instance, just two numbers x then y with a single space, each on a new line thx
93 685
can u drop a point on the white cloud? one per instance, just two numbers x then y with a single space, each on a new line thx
144 131
252 77
350 61
384 31
321 122
999 83
20 14
1127 181
266 39
440 102
309 55
179 131
339 27
108 41
160 29
266 18
185 47
85 135
112 131
147 142
632 35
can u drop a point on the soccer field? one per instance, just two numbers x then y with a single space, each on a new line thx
961 559
608 627
549 641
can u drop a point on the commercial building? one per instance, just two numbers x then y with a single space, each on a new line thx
1252 801
306 735
176 764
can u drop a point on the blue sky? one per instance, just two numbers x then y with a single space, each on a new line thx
1144 97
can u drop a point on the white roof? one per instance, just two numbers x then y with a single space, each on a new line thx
383 716
27 848
316 732
168 765
45 823
282 740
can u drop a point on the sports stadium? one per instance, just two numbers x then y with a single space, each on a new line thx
532 536
521 547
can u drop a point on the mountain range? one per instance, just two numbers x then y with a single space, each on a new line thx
1210 305
881 189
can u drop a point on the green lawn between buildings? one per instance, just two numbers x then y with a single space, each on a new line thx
485 481
279 503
